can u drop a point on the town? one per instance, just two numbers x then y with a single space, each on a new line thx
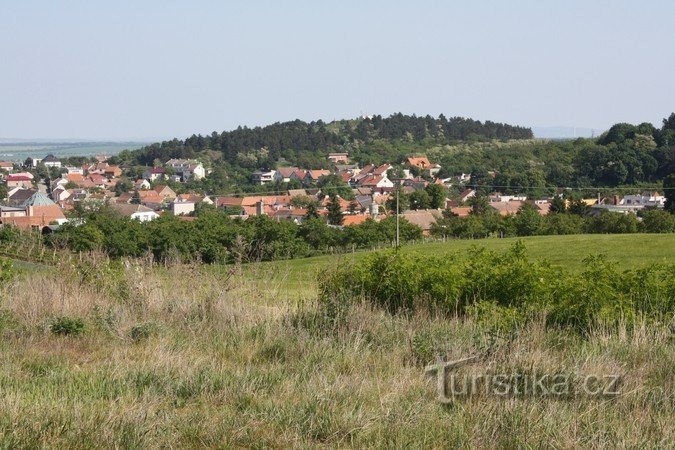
40 193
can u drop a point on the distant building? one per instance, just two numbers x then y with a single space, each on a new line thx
16 180
75 170
51 161
154 174
422 163
37 212
137 212
187 169
263 176
339 158
179 208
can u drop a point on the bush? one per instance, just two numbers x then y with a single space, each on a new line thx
67 326
657 221
504 289
6 271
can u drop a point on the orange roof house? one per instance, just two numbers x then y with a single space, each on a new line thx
355 219
507 208
419 161
165 192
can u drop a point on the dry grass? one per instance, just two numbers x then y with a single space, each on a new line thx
216 360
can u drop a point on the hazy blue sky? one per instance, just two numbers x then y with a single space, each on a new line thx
148 69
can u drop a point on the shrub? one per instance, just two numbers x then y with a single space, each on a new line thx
67 326
504 289
6 270
657 221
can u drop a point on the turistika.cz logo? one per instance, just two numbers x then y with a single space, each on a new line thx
451 385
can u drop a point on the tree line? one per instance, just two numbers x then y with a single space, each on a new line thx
306 143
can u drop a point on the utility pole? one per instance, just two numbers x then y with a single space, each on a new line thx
397 217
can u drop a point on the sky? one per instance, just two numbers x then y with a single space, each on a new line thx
156 69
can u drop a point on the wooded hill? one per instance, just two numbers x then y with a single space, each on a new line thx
496 154
299 141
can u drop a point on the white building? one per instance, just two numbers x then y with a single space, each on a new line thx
263 176
187 169
137 212
182 208
51 161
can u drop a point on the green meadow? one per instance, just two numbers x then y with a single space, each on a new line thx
95 354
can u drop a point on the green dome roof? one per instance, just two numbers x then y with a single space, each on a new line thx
38 199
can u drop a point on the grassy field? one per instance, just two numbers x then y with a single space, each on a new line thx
627 250
188 356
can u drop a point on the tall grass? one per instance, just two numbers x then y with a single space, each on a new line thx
190 356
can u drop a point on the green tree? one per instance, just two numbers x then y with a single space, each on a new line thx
657 221
557 205
312 211
335 216
669 192
479 205
437 194
553 224
419 199
333 185
302 201
578 206
403 201
527 221
123 185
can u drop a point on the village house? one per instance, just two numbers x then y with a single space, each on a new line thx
60 194
338 158
194 198
187 169
180 208
112 172
165 192
18 196
298 175
17 180
283 174
154 174
543 206
263 176
461 211
149 198
136 212
375 182
423 218
75 169
33 162
51 161
507 208
98 181
312 176
646 199
499 197
422 163
466 195
141 184
6 166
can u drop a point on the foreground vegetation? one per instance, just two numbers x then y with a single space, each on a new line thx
628 251
99 354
